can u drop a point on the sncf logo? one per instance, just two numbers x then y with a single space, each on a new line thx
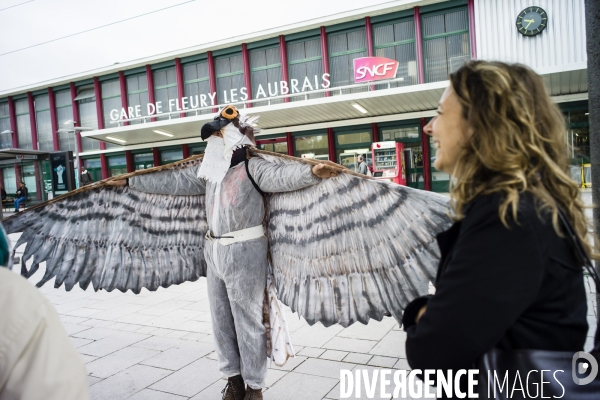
374 69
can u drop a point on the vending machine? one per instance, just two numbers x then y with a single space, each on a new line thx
388 161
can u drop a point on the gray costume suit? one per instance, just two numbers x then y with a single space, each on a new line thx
236 273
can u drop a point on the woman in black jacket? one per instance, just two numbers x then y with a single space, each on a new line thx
507 278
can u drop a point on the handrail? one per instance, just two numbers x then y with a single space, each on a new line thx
267 99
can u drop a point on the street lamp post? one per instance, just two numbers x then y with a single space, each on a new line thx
75 129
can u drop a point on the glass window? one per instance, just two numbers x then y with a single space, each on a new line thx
137 96
43 122
28 176
304 62
445 43
111 100
143 161
23 124
398 134
10 181
397 41
353 138
265 69
270 145
343 49
197 86
88 117
316 146
64 113
230 75
117 165
169 156
5 138
578 136
165 89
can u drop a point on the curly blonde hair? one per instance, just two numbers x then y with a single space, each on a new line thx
518 144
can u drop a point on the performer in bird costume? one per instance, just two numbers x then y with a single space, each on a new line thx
342 247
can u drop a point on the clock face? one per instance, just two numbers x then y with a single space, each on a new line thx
532 21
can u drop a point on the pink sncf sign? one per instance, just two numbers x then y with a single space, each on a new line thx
368 69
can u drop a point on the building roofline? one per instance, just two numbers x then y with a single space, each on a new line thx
334 19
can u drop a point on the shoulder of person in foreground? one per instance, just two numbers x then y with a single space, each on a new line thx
494 274
37 359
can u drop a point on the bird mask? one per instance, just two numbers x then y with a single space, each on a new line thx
236 131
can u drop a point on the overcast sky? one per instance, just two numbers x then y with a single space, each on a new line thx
25 23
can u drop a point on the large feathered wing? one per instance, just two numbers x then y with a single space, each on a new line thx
353 248
115 237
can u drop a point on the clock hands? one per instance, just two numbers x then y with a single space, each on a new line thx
531 21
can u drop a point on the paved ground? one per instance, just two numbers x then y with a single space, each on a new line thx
158 346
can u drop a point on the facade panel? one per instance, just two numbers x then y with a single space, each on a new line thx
562 42
5 138
44 124
23 124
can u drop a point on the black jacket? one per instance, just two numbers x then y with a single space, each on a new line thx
517 288
22 192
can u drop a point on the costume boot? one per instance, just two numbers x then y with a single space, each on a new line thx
234 390
252 394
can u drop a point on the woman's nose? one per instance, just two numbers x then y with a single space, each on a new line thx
427 128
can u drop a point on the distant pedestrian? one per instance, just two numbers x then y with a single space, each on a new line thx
86 177
22 194
362 166
509 279
3 193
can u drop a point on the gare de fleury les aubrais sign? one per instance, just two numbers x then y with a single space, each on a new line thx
366 69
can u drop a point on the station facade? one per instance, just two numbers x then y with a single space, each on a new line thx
301 80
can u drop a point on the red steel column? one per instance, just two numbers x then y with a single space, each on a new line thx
473 42
331 144
212 77
129 161
123 85
375 132
290 143
369 31
186 151
180 85
284 65
419 42
156 155
75 116
325 54
247 77
32 122
53 120
150 78
13 123
426 158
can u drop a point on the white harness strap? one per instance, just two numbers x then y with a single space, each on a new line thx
238 236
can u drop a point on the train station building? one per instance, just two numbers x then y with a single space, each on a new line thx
304 82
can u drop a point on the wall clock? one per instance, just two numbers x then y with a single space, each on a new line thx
532 21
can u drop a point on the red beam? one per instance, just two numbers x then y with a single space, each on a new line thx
186 150
75 116
369 31
156 155
180 85
34 135
13 123
123 85
426 158
473 42
284 65
331 144
129 161
325 54
290 143
247 77
103 165
53 120
151 97
419 41
212 77
375 132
